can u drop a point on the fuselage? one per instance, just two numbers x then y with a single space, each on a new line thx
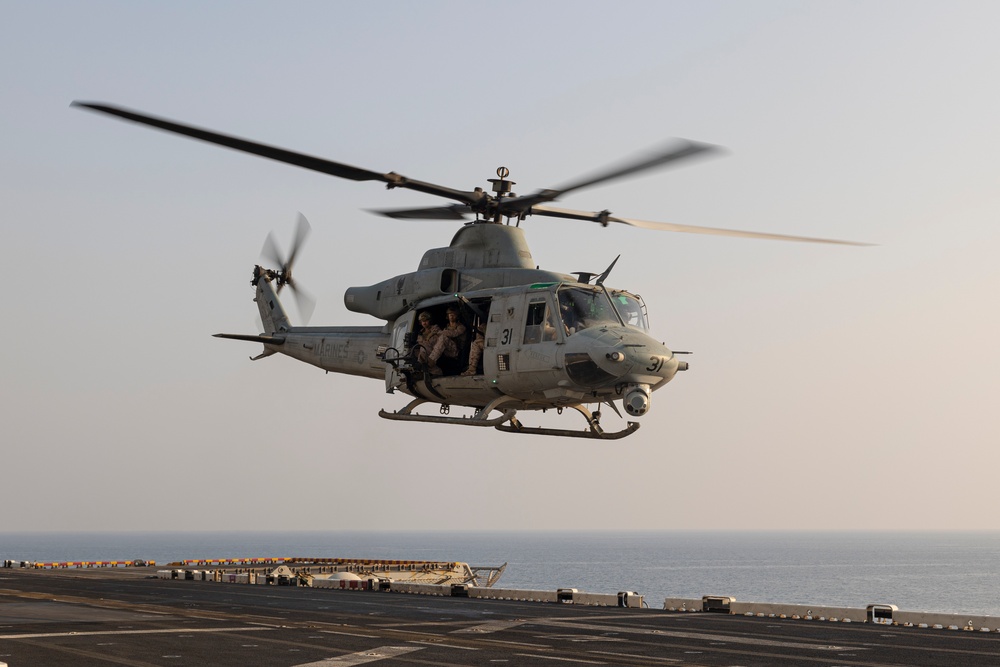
545 340
545 345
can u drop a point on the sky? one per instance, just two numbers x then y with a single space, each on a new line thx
831 387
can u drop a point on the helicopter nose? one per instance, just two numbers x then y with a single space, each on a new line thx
618 356
653 363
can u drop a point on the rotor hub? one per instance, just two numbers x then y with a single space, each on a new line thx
501 185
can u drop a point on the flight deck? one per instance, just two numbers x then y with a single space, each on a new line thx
85 617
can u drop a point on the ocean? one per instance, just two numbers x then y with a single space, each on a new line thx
952 572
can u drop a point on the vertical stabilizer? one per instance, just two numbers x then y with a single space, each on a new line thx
272 313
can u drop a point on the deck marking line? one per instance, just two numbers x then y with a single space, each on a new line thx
646 658
463 648
703 636
349 634
492 626
502 642
42 635
552 657
582 639
362 657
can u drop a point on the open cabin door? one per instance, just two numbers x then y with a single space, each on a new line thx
397 349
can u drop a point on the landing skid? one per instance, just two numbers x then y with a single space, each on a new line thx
595 432
481 418
507 422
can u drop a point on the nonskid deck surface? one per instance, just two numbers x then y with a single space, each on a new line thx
126 617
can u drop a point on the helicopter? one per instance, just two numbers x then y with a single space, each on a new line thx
478 325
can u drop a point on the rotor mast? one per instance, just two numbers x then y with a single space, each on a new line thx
502 188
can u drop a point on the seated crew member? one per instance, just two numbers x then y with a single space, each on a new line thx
429 333
436 342
454 331
476 348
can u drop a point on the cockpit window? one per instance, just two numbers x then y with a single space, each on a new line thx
581 308
631 308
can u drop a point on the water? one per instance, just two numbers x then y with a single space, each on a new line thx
942 571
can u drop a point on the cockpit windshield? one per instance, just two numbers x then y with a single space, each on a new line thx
631 308
581 308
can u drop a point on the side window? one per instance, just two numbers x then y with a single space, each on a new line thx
533 323
539 325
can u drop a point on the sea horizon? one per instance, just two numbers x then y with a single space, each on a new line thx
953 571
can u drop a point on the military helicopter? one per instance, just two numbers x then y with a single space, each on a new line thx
514 337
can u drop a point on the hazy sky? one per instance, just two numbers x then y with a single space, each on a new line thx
831 387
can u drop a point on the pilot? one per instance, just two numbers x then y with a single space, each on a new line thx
476 348
569 317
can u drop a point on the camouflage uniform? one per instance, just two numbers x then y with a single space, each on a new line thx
475 351
446 344
426 341
436 342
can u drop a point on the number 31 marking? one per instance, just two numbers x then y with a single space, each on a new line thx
656 365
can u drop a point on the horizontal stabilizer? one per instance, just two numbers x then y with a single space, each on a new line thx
266 340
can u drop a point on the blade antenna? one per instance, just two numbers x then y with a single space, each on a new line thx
607 272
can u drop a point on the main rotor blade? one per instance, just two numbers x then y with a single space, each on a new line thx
455 212
605 217
339 169
678 150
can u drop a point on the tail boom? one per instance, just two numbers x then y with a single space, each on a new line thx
348 350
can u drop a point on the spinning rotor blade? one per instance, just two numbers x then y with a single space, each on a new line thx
391 179
604 217
678 150
302 230
271 252
304 301
476 201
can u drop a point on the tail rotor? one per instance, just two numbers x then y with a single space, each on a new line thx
283 275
